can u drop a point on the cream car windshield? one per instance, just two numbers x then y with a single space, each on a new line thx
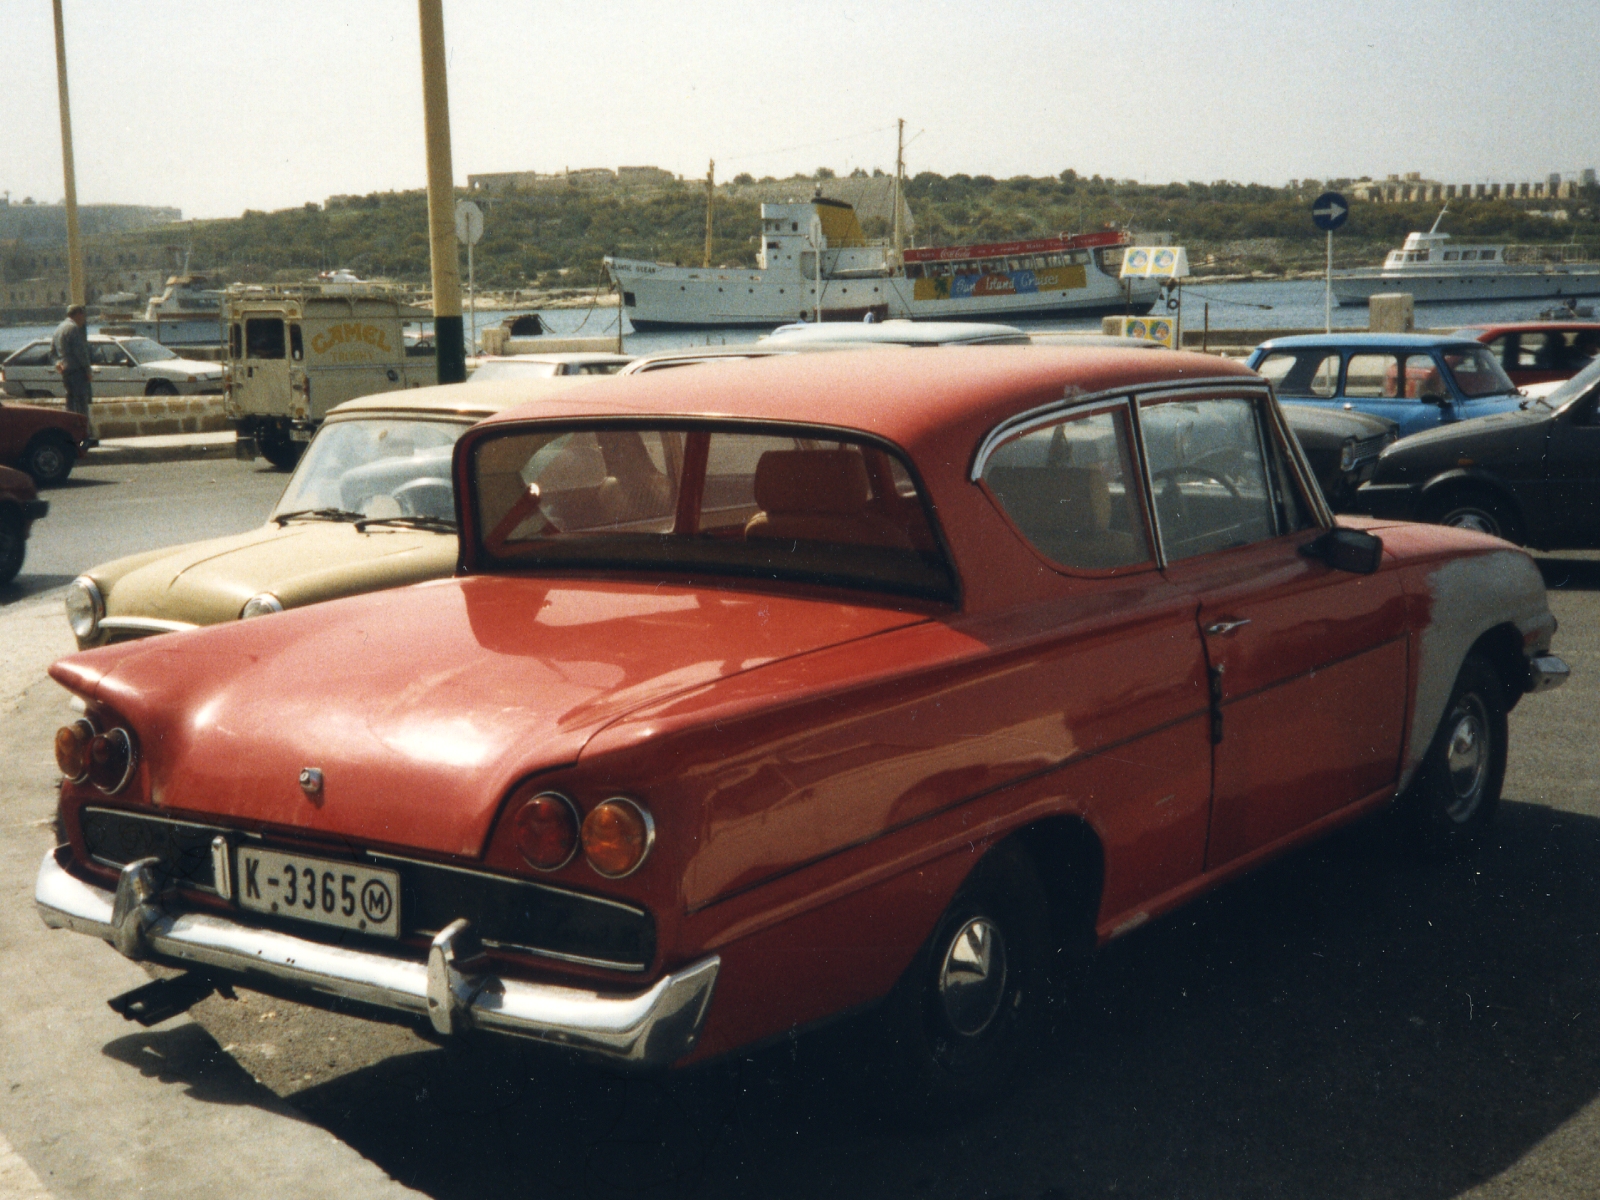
378 470
774 503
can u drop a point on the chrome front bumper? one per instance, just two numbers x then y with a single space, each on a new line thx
655 1027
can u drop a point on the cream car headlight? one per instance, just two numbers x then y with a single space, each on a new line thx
85 607
260 605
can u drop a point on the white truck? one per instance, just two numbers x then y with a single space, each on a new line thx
293 352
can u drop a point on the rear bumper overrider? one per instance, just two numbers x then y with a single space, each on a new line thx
655 1027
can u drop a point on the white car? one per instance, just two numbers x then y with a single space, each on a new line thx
122 366
544 366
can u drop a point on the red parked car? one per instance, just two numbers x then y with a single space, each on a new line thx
770 692
44 442
1539 351
20 507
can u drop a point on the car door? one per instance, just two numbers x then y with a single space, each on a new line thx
113 371
1116 660
31 371
1572 474
1307 664
266 363
1386 383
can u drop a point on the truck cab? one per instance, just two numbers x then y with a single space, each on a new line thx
293 353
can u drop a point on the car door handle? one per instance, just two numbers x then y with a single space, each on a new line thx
1218 628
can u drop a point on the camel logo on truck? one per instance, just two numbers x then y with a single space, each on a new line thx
347 342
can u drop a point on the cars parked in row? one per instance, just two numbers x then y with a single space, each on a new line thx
1539 351
1416 380
20 507
793 687
122 366
370 505
1530 476
44 442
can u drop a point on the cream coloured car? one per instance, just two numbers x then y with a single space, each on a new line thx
370 506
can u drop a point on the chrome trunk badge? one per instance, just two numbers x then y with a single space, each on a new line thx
311 781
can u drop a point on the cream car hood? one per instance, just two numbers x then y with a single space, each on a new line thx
303 562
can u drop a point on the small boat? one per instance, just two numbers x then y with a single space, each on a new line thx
1433 270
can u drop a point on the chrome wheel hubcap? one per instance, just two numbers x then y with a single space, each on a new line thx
1472 519
1467 757
972 978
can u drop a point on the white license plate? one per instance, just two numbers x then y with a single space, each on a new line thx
340 894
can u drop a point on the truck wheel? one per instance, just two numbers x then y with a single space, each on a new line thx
1452 799
48 458
277 447
12 544
969 1012
1477 509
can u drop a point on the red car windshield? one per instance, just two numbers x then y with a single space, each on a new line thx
775 503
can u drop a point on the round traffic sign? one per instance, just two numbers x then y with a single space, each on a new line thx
1329 211
469 222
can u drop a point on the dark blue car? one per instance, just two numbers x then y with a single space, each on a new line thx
1417 380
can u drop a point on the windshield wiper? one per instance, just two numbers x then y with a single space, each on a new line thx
435 524
318 514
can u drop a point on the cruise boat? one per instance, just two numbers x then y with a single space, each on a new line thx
1433 269
187 313
815 264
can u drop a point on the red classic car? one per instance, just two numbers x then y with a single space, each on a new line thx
44 442
771 692
1539 351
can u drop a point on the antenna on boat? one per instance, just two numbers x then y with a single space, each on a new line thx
711 199
899 178
1439 218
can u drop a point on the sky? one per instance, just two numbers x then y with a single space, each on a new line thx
219 107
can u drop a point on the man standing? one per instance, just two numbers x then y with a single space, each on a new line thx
71 346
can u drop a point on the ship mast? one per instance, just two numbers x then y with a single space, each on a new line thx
711 198
899 176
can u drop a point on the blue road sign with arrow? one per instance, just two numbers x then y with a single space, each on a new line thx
1330 210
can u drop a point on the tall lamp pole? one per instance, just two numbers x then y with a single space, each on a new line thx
74 245
447 332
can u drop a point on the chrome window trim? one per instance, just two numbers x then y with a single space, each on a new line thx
1066 404
1321 514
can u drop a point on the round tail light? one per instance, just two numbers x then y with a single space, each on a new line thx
111 760
72 750
617 835
546 831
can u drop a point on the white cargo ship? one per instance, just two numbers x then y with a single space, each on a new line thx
815 264
1433 269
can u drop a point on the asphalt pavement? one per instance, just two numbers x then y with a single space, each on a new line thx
1344 1023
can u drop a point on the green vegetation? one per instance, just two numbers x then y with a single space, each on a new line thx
556 238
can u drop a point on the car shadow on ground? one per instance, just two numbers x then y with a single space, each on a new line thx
1572 574
74 483
24 586
1345 1022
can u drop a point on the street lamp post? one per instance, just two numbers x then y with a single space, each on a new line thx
74 245
447 332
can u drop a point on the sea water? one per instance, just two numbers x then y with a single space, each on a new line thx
1296 304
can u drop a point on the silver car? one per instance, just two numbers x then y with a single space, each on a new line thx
121 366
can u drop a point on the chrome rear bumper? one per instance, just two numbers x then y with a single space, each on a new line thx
1546 672
655 1027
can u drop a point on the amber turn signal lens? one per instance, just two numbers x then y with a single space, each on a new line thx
72 750
546 831
617 834
111 759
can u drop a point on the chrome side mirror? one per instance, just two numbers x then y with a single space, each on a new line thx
1353 550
